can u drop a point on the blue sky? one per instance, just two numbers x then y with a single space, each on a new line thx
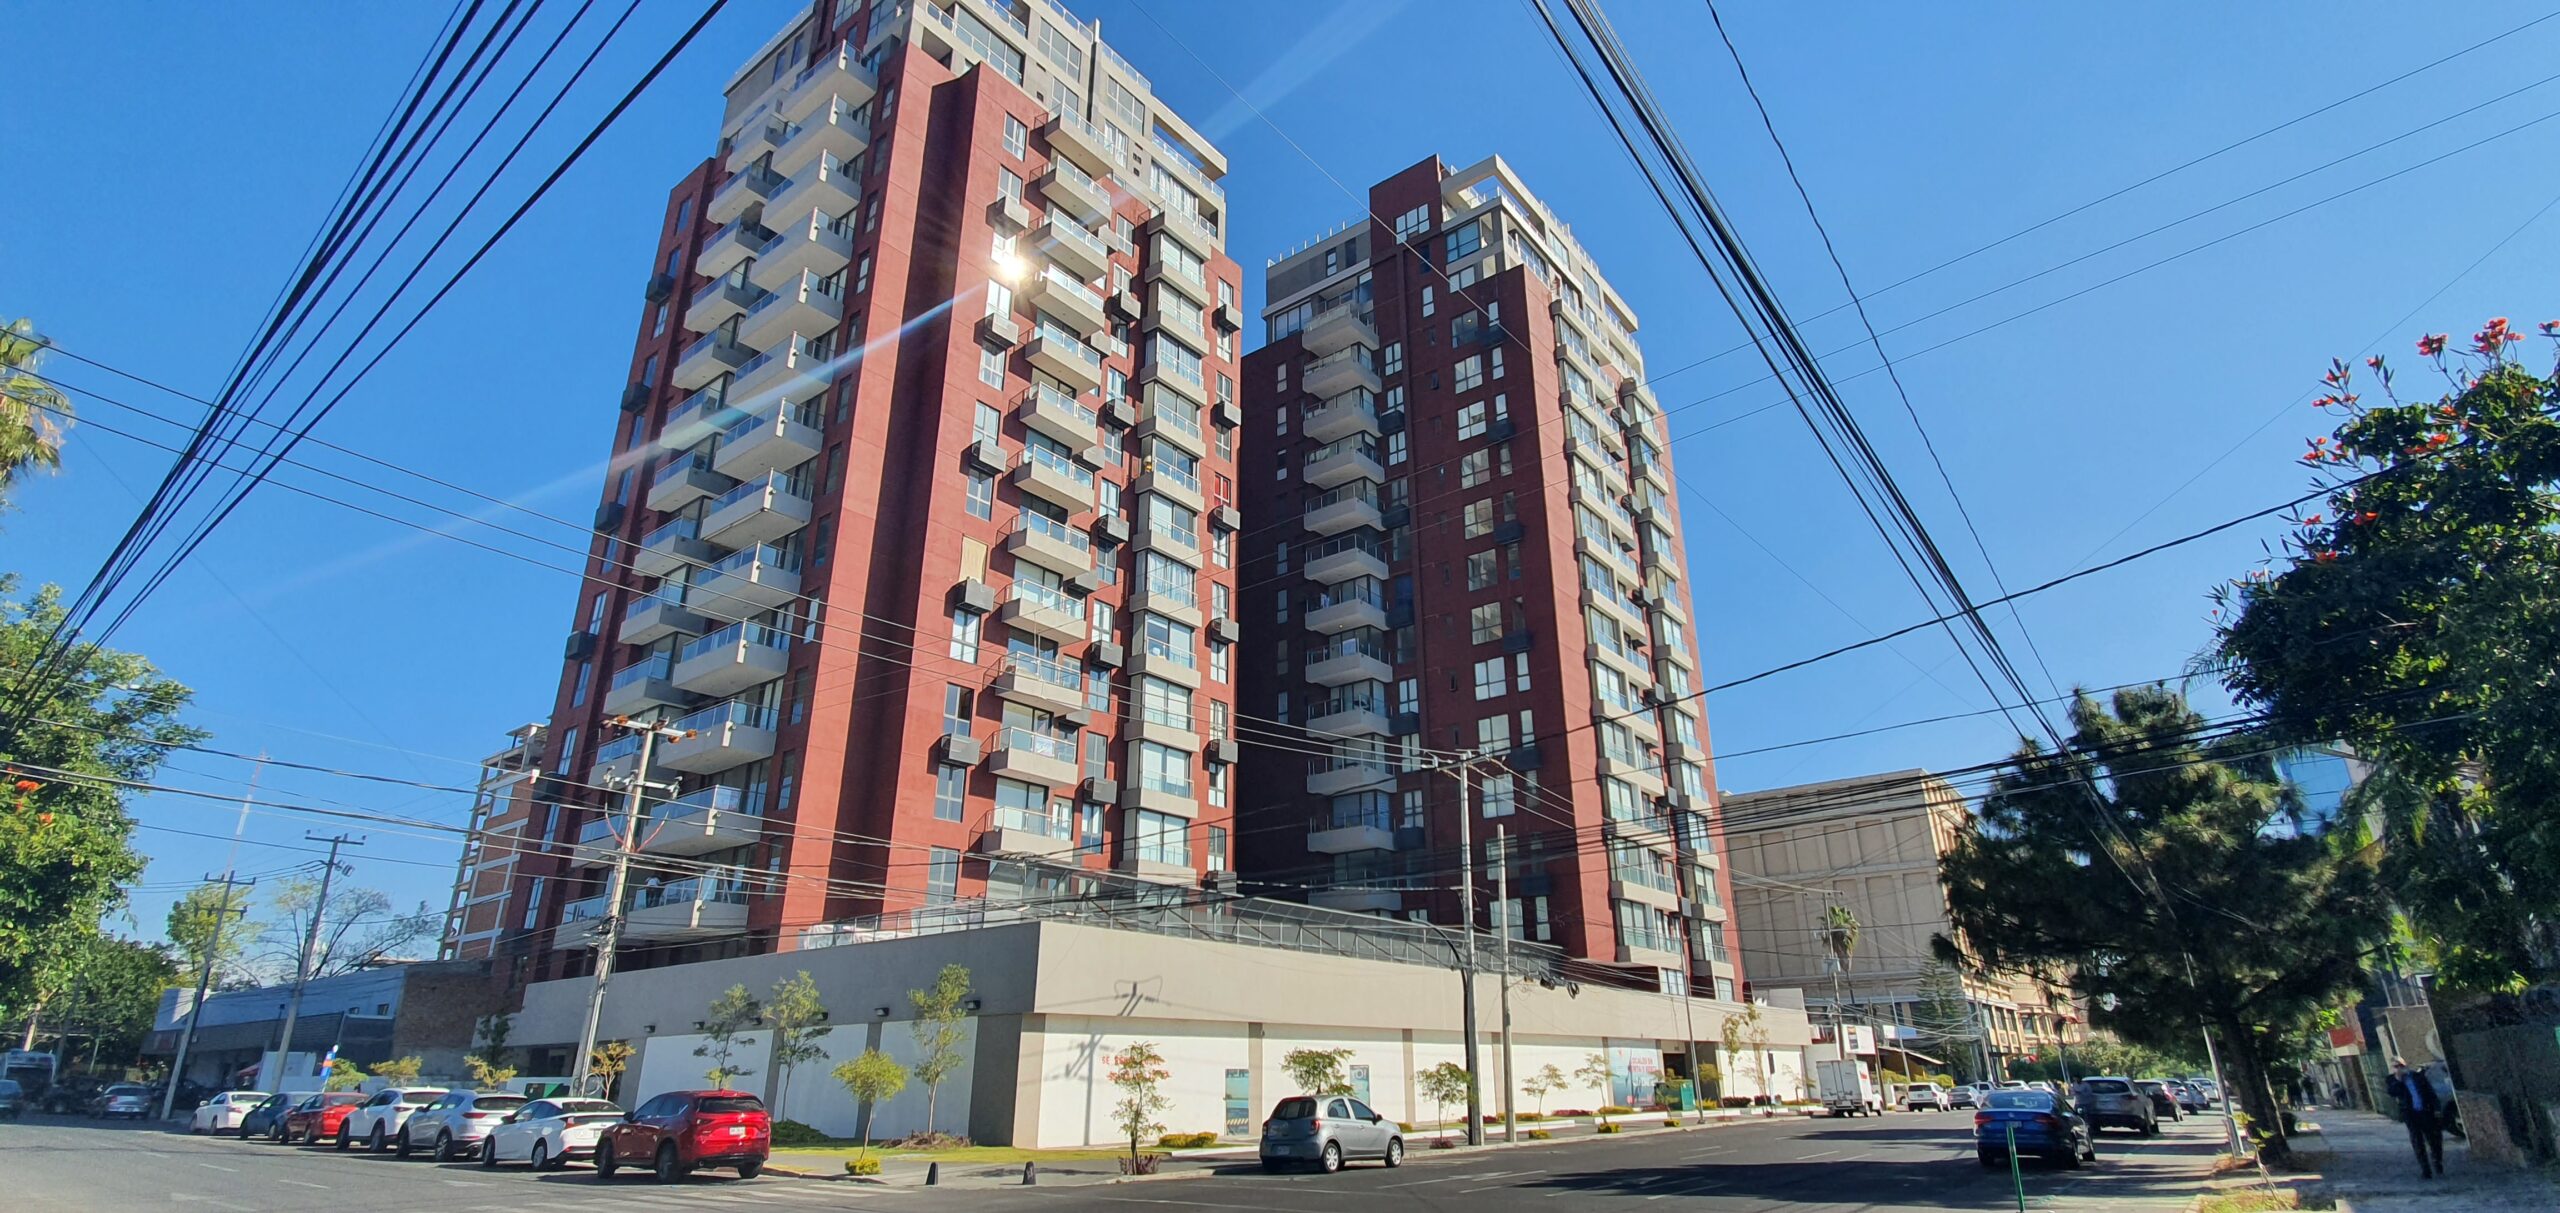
170 161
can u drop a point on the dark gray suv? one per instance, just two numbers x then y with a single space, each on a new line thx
2115 1103
1328 1130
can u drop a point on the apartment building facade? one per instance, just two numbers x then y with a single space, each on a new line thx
1463 537
1873 843
502 814
918 526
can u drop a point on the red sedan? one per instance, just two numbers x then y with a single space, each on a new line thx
319 1116
681 1131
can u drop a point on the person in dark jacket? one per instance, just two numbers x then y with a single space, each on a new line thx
2422 1110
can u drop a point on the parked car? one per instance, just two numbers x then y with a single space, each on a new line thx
1328 1131
550 1132
70 1095
684 1131
223 1112
2189 1098
2164 1102
2111 1101
318 1117
454 1125
1928 1095
13 1099
2013 1084
267 1119
377 1120
130 1099
2038 1123
1966 1095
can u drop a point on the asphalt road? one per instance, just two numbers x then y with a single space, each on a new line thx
1901 1163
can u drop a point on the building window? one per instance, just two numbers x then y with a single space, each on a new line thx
586 675
959 703
1159 837
1016 136
1497 795
982 495
1474 468
1491 682
1217 859
1392 362
1008 184
533 902
568 751
1470 371
1428 304
942 877
950 791
1484 623
965 625
990 366
1414 222
1479 515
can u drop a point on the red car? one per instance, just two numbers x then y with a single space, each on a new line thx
319 1116
681 1131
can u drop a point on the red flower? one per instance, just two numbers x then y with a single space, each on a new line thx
2551 327
2376 361
2367 516
2445 410
2325 557
2432 344
28 785
2313 520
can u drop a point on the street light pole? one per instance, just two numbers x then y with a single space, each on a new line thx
204 984
624 839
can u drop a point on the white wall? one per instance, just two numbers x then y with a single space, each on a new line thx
816 1099
668 1064
1074 1064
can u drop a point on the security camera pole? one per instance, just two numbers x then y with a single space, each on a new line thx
625 838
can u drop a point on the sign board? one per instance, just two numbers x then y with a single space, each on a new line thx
1860 1039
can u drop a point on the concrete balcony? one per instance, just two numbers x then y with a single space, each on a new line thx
672 546
1071 248
1178 800
654 618
1016 833
1036 757
1657 956
1642 774
615 761
1348 507
1165 480
839 75
718 738
757 512
805 305
1342 663
1172 417
735 658
1332 615
643 685
701 415
713 819
1335 776
1182 668
1341 462
805 242
683 480
826 184
747 582
779 436
1055 479
729 247
1078 140
759 136
744 192
717 302
1178 603
1036 609
1067 300
709 357
792 371
1338 560
1051 544
1076 191
1058 415
1328 377
1066 356
1652 830
1055 686
1358 901
1353 412
1641 893
833 130
693 908
1345 839
1159 374
1156 871
1351 716
1338 328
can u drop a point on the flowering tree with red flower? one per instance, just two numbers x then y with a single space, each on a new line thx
2418 621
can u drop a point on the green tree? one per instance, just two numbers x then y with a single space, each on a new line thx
65 841
798 1020
487 1075
211 921
400 1071
1943 1016
1445 1084
1319 1071
344 1075
2155 869
874 1078
359 927
1140 1073
732 1015
2417 620
32 413
937 1032
607 1061
492 1033
1748 1027
1547 1081
106 989
1597 1072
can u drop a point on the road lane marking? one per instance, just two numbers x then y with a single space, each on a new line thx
1811 1157
210 1167
299 1184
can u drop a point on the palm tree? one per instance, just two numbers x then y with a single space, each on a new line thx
1840 937
31 411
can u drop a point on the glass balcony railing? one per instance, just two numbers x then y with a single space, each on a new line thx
1031 741
695 804
1180 418
1041 821
1052 530
1049 398
658 666
1034 594
719 890
1055 462
1058 339
1176 593
1350 644
1641 874
1159 649
1362 763
1069 173
1348 542
1073 233
760 634
1364 591
1364 491
1361 445
667 596
1356 355
1169 783
783 485
680 529
584 909
800 413
1346 703
1066 284
1049 670
765 554
734 711
620 747
1170 470
1369 816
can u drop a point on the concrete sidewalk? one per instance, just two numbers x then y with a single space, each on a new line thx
2370 1168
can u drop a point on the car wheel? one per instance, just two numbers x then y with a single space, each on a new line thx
1332 1160
378 1142
346 1139
2152 1129
541 1158
444 1147
1395 1152
489 1153
665 1169
402 1147
605 1164
751 1168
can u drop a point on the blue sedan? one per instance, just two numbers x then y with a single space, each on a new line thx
2035 1122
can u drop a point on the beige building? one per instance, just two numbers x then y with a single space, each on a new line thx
1872 843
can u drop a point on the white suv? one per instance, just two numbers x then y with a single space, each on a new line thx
1924 1095
377 1121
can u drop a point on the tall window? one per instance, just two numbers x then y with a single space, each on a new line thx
950 791
959 703
965 626
1016 136
982 494
942 876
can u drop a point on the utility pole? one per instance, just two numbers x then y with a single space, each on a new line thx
1461 769
625 838
213 948
310 949
1502 897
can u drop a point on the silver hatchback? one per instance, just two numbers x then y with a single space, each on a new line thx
1328 1131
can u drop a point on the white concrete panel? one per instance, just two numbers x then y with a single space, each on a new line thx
1076 1095
668 1063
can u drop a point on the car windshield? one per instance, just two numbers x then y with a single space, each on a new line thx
2107 1086
592 1118
126 1089
343 1097
1296 1108
730 1103
496 1103
420 1099
247 1096
589 1107
2024 1101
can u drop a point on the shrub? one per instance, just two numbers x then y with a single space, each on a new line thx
1526 1117
794 1133
1615 1110
1143 1164
1671 1122
865 1165
1187 1141
1604 1128
931 1141
1735 1101
1443 1143
1403 1126
1572 1112
1539 1135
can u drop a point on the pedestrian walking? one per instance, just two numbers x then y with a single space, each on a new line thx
2422 1110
